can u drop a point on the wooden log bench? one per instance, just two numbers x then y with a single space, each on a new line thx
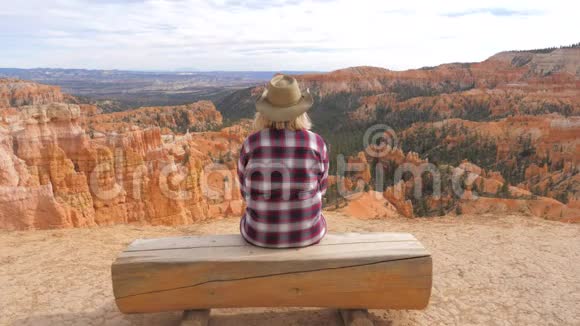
349 271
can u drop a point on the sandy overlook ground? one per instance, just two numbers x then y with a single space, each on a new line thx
488 270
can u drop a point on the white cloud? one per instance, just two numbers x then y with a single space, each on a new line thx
275 35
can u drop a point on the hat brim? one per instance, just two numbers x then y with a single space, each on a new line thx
280 114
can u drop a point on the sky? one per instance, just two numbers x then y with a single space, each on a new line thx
275 35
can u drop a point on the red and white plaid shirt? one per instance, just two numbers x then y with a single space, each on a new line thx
283 175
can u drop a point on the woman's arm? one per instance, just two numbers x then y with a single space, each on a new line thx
242 161
324 162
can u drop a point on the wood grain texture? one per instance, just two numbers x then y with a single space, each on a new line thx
350 270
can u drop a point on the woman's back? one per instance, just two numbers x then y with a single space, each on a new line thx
283 175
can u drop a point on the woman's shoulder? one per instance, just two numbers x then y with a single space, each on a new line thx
315 140
314 135
255 136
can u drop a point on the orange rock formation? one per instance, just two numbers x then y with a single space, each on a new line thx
55 175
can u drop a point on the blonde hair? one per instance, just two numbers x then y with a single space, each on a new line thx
299 123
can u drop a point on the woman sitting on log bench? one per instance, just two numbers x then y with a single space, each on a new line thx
283 171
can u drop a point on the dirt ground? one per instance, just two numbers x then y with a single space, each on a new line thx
487 271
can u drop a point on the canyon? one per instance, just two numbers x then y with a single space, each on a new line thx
500 136
513 118
58 174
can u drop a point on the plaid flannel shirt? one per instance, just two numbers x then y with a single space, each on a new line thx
283 175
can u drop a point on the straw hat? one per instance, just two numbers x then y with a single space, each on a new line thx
282 99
